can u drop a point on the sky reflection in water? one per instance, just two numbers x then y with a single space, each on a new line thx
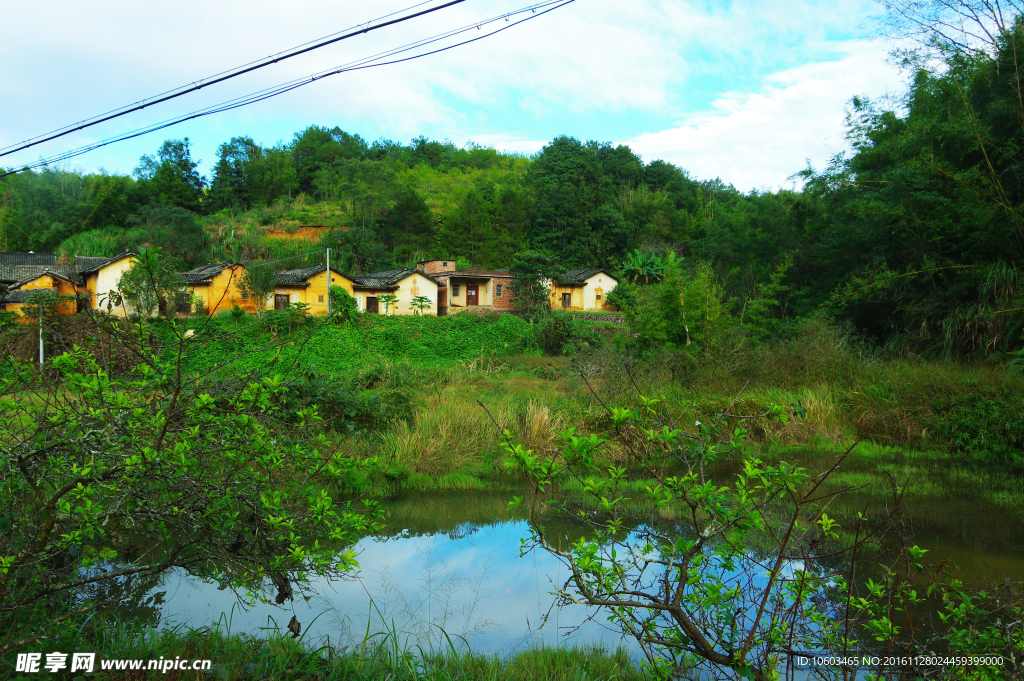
471 582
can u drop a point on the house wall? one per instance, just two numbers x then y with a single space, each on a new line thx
18 307
599 281
436 266
412 286
314 295
107 279
576 302
415 285
222 292
504 302
62 287
484 296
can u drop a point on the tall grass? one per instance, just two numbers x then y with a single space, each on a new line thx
446 435
237 656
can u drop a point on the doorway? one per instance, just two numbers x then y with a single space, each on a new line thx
471 295
566 301
371 305
281 301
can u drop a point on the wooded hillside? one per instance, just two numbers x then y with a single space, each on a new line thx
915 238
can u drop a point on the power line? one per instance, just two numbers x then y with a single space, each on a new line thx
267 93
219 78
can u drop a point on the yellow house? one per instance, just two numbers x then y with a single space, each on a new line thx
215 288
17 295
405 284
101 278
585 290
307 285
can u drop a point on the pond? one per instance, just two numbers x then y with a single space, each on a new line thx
450 563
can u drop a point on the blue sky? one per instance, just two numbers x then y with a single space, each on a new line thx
747 91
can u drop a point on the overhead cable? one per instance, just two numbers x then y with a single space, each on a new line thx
373 61
224 75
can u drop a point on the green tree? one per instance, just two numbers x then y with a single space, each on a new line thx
388 300
151 285
317 147
172 176
258 283
752 569
248 175
205 475
421 303
343 306
171 228
532 273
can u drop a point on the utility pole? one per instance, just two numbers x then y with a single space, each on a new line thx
328 282
42 356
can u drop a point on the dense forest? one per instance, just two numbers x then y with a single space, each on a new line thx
913 238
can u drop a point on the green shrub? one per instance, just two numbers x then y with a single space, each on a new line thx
563 334
984 427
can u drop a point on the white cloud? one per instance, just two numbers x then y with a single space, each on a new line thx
599 69
756 141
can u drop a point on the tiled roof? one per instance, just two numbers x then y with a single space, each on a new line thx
386 279
204 274
300 277
21 295
65 272
580 276
381 279
87 264
8 259
18 274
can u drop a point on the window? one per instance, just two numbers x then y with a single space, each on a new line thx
497 290
444 263
455 289
320 299
598 296
245 296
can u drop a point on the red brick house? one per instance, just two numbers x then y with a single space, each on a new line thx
463 289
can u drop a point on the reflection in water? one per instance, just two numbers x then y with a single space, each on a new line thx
470 583
452 563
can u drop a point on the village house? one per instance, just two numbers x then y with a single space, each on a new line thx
464 289
405 283
215 288
18 295
309 286
101 277
15 267
585 290
24 274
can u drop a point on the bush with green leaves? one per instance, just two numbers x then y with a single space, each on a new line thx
983 427
563 334
258 283
108 483
344 307
754 568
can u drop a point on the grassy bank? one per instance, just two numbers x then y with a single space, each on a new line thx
344 349
236 656
947 430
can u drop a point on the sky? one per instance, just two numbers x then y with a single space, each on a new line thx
748 91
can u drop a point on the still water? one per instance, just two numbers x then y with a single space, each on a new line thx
448 563
452 562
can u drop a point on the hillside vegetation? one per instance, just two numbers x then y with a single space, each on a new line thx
915 238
